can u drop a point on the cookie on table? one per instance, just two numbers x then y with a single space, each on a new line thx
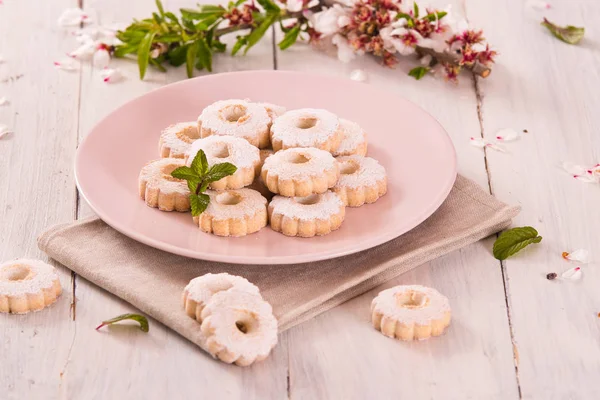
410 312
201 289
27 285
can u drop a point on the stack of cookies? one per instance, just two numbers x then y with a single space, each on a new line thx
298 170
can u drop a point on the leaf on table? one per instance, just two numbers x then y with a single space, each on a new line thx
514 240
569 34
143 321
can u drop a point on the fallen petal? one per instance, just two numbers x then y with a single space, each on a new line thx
496 147
478 142
573 169
538 5
84 52
67 64
111 75
358 75
573 274
3 101
2 59
4 131
581 256
507 135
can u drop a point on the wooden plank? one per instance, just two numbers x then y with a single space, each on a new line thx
339 354
549 88
160 364
36 185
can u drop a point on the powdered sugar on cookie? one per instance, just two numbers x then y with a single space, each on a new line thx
176 139
306 127
354 140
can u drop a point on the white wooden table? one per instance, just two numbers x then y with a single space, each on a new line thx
514 334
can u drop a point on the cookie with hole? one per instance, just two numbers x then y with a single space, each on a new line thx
160 190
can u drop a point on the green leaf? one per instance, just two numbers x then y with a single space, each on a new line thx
177 55
190 59
172 17
205 11
407 17
416 9
144 52
269 6
204 54
200 164
124 49
241 42
184 173
514 240
144 326
436 15
568 34
156 63
260 31
220 171
418 72
169 38
219 46
290 37
161 10
192 184
188 24
199 202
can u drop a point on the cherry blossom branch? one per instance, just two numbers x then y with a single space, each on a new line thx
454 59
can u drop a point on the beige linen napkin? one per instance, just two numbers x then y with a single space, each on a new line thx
152 280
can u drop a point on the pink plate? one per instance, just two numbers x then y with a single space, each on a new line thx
415 150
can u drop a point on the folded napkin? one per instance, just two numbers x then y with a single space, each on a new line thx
153 280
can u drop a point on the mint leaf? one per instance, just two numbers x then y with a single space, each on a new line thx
200 164
568 34
199 202
290 37
144 326
220 171
418 72
184 173
514 240
193 183
144 53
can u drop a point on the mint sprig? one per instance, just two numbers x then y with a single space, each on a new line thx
198 176
144 326
514 240
568 34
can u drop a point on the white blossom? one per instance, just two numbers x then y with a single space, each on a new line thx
67 64
345 50
358 75
329 21
73 17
